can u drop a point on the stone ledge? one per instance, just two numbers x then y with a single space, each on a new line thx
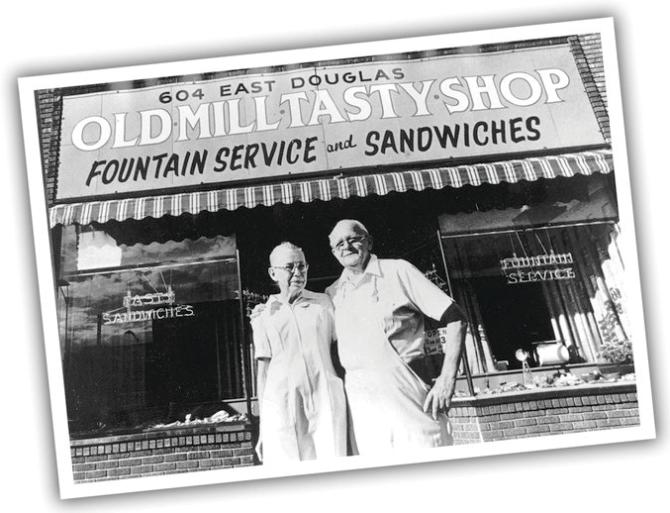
548 393
163 433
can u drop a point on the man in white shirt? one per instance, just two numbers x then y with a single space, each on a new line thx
301 399
379 309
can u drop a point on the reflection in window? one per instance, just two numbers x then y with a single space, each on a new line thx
529 287
145 328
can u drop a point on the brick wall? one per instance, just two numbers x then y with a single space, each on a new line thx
168 451
592 48
49 111
544 412
587 51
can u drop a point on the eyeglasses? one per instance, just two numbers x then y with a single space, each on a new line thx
349 241
292 267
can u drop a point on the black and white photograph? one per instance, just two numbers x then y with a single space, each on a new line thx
400 251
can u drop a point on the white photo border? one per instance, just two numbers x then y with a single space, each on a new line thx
29 85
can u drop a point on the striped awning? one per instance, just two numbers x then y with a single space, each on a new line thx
511 171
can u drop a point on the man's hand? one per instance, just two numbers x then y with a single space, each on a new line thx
439 397
257 311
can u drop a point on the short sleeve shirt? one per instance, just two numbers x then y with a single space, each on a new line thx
301 331
400 293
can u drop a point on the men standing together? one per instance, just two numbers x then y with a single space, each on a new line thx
379 309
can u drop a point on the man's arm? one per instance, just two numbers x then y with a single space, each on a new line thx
430 300
439 397
262 350
261 375
262 372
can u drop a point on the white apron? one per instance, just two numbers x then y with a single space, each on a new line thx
385 396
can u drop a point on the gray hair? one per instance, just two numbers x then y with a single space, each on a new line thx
357 225
282 246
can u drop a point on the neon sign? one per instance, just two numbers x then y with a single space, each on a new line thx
165 301
537 268
171 312
157 298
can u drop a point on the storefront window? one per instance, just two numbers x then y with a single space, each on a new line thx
525 288
146 328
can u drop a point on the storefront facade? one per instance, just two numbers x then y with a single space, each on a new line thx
488 168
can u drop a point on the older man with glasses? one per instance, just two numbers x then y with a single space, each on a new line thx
379 317
301 399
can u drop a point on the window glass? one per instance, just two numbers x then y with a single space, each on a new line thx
91 248
146 328
526 288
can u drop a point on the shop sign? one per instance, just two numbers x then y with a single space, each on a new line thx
263 125
130 301
538 268
171 312
157 298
